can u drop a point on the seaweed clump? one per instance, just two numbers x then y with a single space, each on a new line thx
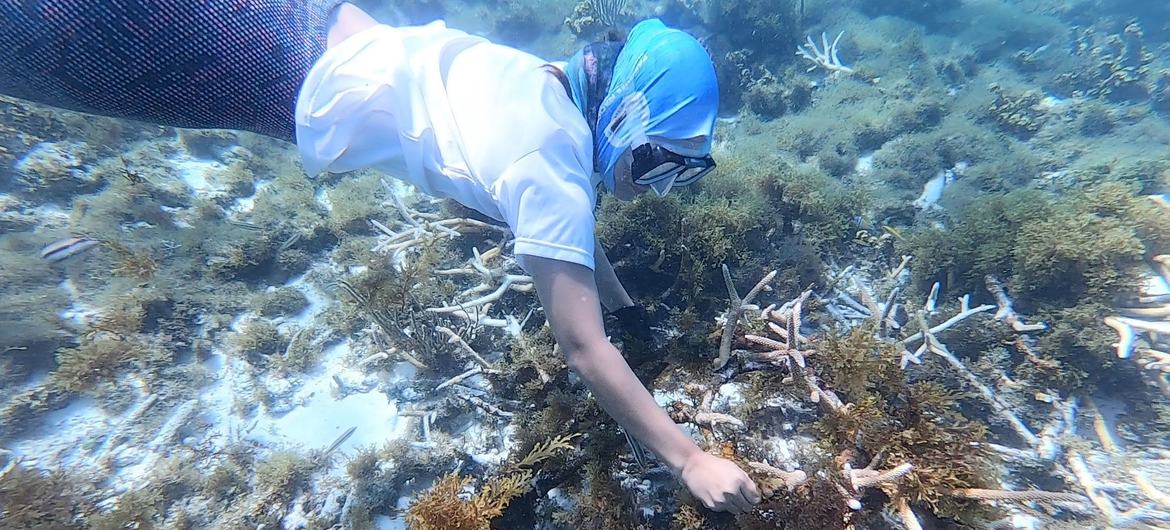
1059 251
681 240
443 508
35 499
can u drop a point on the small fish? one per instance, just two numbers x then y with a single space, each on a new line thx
245 225
897 234
60 250
288 243
340 440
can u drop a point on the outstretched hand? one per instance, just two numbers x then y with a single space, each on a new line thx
719 484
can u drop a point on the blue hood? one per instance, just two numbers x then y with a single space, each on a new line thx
663 84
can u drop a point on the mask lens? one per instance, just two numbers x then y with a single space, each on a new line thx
692 174
662 186
659 171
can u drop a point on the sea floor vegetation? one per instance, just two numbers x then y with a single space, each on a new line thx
928 286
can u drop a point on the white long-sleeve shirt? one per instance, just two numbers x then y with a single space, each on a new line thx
458 117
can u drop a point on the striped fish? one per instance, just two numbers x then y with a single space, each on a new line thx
65 248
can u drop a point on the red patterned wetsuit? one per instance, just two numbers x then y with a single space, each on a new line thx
233 64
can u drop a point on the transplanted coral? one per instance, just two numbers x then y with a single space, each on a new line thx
901 422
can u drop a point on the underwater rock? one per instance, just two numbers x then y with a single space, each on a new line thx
924 11
1096 120
766 27
1019 114
1111 66
1160 93
55 171
282 301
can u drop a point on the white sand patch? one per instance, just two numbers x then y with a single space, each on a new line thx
245 205
864 165
322 419
198 174
322 198
383 522
65 436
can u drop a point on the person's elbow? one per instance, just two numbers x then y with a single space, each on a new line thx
585 355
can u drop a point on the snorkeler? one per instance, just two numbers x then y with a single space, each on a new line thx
489 126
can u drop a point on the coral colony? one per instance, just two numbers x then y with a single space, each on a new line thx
927 289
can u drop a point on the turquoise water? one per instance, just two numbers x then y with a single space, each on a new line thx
195 334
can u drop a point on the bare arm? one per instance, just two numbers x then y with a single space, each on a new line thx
345 21
569 295
613 295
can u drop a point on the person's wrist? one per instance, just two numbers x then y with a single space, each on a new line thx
688 457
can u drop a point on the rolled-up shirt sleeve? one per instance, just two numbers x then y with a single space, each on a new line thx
547 201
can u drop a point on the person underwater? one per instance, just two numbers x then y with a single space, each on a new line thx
497 129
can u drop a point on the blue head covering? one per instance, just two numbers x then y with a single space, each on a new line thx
663 84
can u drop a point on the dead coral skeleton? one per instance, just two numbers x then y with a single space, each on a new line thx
1144 328
497 280
1127 496
420 229
1121 501
825 56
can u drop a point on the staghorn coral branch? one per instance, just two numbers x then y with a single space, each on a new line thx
868 478
906 514
715 419
124 427
791 479
825 56
965 312
988 394
460 378
454 338
515 282
1016 496
10 461
1149 490
1006 313
485 406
